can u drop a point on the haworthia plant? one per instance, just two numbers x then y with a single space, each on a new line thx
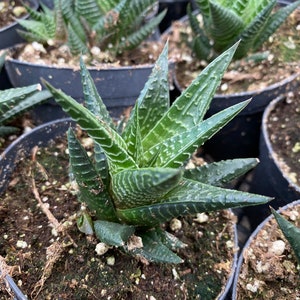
290 231
16 101
225 22
137 179
111 25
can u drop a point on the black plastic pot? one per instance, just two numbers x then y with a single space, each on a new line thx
247 245
21 147
118 87
8 34
176 9
268 178
41 136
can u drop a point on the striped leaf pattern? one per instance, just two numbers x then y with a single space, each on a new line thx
110 141
143 186
222 172
187 198
136 178
226 22
176 150
190 107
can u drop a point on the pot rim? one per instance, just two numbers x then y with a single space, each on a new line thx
267 139
34 5
249 241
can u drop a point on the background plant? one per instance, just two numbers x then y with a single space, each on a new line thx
16 101
137 178
225 22
290 231
112 25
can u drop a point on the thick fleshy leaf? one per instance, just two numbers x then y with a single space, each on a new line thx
174 152
155 249
92 99
85 223
226 26
187 198
190 107
290 231
110 141
222 172
274 22
253 30
113 234
153 100
92 190
15 101
143 186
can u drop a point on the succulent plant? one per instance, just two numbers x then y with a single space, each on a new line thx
113 25
290 231
15 101
137 178
225 22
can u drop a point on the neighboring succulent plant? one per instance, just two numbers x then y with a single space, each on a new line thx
15 101
113 25
137 178
291 233
226 22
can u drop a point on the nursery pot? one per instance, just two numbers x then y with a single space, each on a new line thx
21 147
41 136
264 260
176 9
119 87
270 177
9 35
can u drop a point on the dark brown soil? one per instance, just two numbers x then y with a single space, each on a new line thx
268 274
283 126
10 11
58 262
242 75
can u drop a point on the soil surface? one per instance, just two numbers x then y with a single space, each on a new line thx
283 127
10 11
50 259
270 268
281 51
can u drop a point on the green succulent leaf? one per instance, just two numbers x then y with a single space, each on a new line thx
111 142
143 186
222 172
174 151
274 22
190 107
153 100
93 100
187 198
155 248
225 26
91 188
6 130
250 33
15 101
290 231
85 223
114 234
201 43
